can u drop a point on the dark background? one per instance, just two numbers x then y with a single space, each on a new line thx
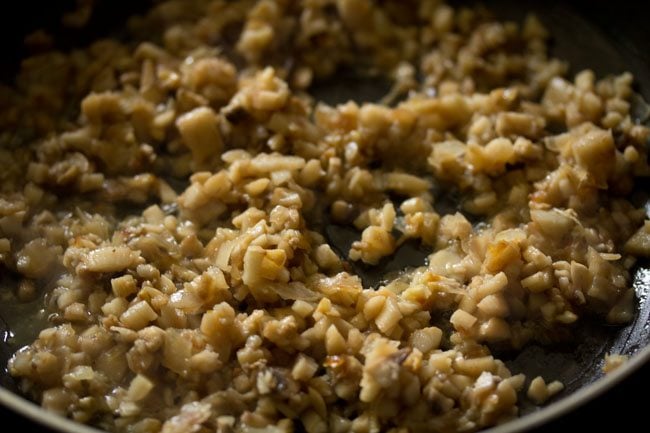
623 25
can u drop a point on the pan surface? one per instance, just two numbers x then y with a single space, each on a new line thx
586 35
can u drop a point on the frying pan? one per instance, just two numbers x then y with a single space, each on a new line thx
608 37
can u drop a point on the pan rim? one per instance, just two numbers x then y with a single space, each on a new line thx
571 402
576 399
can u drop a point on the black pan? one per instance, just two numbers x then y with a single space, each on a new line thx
608 37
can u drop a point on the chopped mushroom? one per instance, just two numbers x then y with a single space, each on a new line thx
232 294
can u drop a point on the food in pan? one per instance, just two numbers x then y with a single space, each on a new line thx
171 194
